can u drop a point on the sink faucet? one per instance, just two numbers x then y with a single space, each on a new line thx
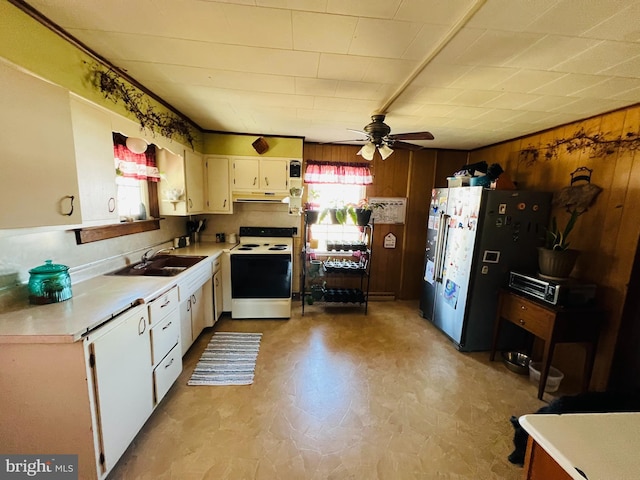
146 256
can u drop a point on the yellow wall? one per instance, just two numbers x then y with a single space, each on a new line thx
234 144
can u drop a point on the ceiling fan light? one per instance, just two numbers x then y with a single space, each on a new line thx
385 151
136 145
367 151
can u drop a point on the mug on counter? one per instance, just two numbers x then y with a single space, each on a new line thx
220 238
232 238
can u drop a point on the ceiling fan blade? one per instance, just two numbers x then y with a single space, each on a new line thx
346 141
412 136
405 145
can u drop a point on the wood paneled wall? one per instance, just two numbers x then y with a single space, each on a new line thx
398 272
607 234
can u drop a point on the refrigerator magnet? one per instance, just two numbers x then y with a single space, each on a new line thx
522 206
502 208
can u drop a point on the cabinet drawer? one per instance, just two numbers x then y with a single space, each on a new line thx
163 306
164 336
528 315
217 264
197 276
167 372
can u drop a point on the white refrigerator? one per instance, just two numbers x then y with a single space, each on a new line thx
475 236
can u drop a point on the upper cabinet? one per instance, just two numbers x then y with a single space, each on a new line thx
94 160
181 190
260 174
218 195
39 182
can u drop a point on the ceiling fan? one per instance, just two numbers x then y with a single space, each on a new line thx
379 137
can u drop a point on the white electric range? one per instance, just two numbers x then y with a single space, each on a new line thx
261 273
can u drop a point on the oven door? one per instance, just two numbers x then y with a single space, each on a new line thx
261 275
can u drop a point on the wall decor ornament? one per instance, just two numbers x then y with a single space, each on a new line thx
597 144
113 87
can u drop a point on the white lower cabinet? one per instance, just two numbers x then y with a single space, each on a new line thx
217 295
122 377
196 303
167 372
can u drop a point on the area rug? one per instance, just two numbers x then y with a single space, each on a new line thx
229 359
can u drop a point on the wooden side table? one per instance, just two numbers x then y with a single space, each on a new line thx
552 324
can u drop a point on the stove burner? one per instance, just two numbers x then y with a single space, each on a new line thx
278 247
284 245
245 248
249 245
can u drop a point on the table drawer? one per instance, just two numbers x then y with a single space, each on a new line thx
527 315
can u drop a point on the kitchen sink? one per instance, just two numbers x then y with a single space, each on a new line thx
160 266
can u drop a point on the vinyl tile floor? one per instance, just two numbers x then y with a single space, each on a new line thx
339 395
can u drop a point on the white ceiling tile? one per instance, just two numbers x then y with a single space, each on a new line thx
526 81
306 5
570 17
323 32
255 26
509 14
353 105
497 47
433 11
630 96
466 112
622 26
382 38
316 86
511 100
569 84
484 77
385 70
441 75
600 58
431 95
362 90
426 41
630 68
343 67
474 97
612 87
458 45
499 115
550 51
550 103
588 106
364 8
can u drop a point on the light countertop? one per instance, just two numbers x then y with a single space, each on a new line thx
604 446
94 302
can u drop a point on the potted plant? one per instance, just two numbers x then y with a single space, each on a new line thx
338 213
362 211
555 258
311 207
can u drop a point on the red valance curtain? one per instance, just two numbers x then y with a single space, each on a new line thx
338 172
141 166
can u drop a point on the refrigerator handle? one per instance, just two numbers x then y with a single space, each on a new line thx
441 242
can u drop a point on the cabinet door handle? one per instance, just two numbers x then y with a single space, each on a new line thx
71 198
521 321
522 307
255 179
224 204
111 204
190 204
189 305
194 299
169 364
266 181
217 282
142 326
167 325
165 303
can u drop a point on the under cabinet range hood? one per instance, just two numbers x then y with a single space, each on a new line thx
260 197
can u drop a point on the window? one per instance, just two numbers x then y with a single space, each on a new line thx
135 164
336 184
133 198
